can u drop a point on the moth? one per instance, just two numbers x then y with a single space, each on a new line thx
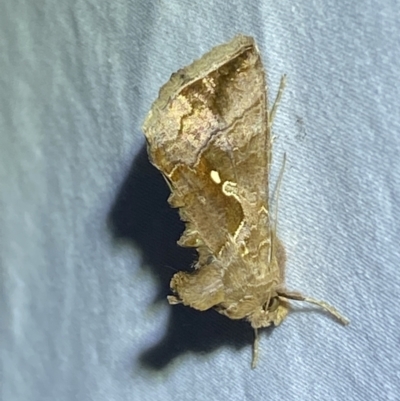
209 133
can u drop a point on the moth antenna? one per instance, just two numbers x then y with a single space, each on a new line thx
255 350
271 114
322 304
278 189
274 224
270 118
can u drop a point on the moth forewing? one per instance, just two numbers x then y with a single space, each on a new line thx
209 133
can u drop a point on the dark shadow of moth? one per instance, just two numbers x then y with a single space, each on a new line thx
209 133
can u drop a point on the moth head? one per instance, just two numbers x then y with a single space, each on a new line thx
274 311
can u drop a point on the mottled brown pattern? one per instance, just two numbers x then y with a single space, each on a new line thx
209 133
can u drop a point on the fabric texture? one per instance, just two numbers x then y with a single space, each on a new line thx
88 241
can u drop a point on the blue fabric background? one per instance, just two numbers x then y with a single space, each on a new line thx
87 240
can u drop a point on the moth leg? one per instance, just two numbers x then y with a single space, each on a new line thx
272 112
295 296
173 300
255 350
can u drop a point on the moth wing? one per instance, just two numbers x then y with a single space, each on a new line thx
208 134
